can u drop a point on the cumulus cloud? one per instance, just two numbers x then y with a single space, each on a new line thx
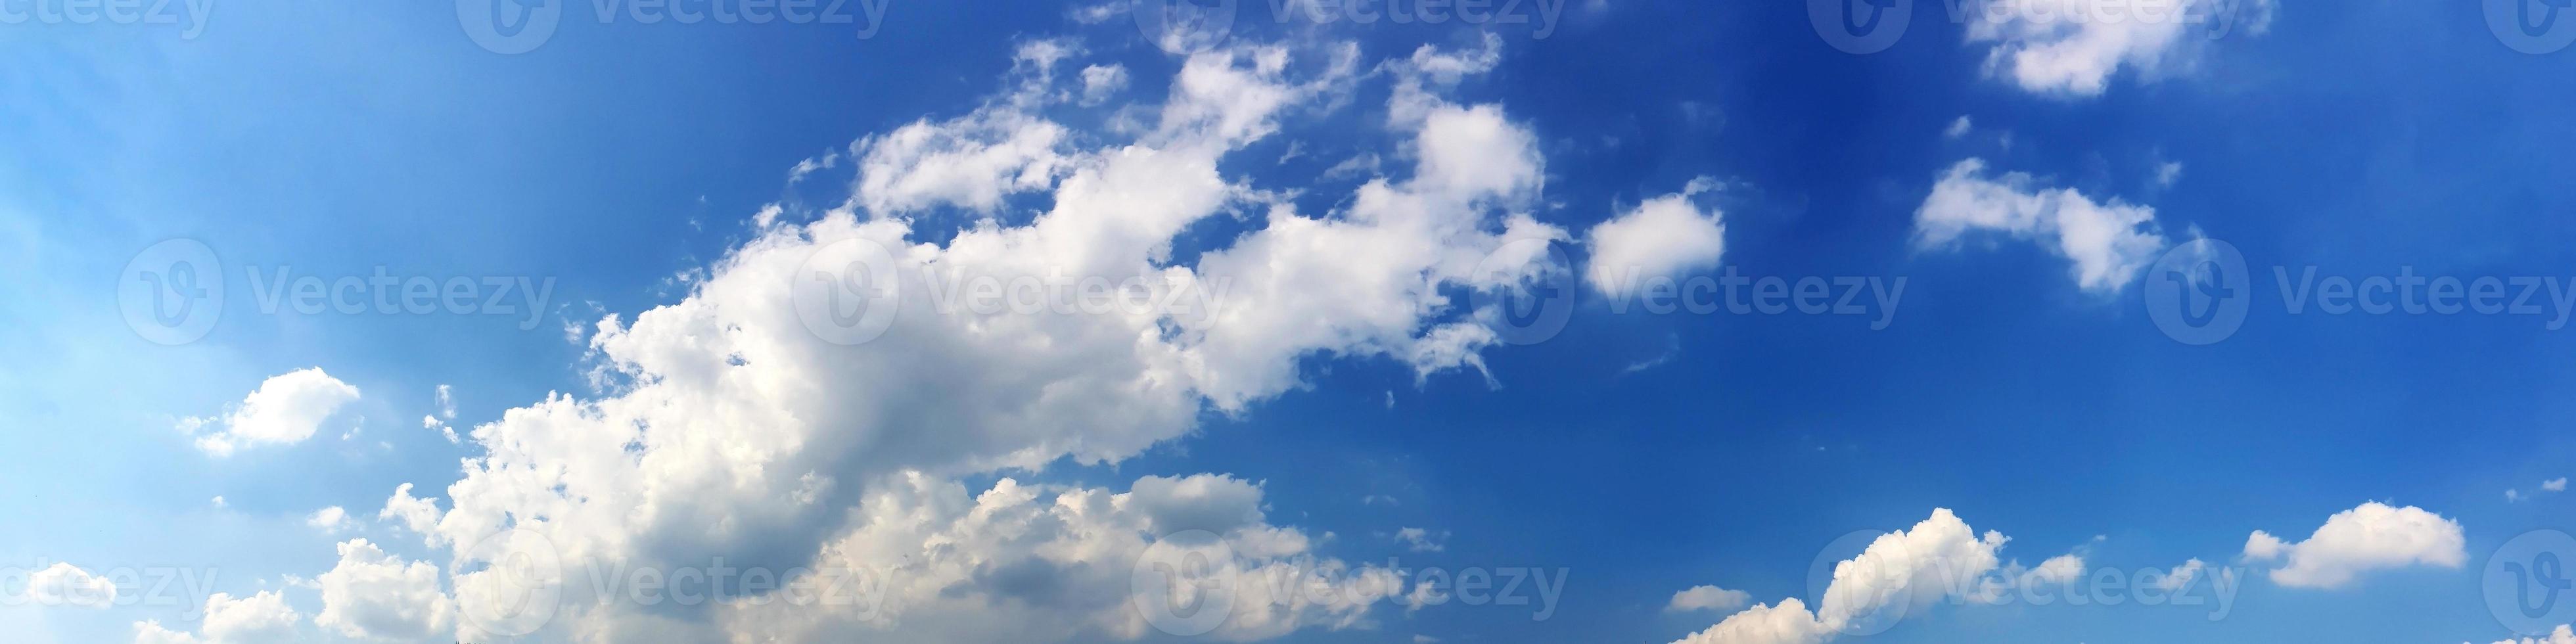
63 584
329 520
2109 243
285 410
1940 557
1021 562
1708 598
1660 238
2073 47
417 515
258 619
729 427
373 595
2374 536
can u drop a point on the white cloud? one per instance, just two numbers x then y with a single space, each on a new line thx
373 595
2109 243
1959 128
66 585
258 619
2168 174
1708 598
2371 537
1662 237
432 422
286 409
1100 82
2562 635
724 412
1420 540
219 501
1940 557
2555 485
2073 47
329 520
2181 576
446 399
417 515
1028 563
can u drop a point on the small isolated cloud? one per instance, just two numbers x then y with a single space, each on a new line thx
1659 238
285 410
2073 47
1959 128
432 422
329 520
67 585
1708 598
446 398
2109 243
1420 540
2555 485
2374 536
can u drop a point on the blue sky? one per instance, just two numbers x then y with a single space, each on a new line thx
1344 187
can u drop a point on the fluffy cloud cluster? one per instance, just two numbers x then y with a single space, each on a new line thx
729 427
2374 536
2073 47
2109 243
1940 557
373 595
260 618
285 410
1660 238
1020 562
2562 635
